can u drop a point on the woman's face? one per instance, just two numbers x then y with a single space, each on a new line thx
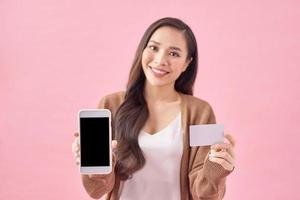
165 56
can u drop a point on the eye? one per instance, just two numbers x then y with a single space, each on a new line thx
153 48
175 54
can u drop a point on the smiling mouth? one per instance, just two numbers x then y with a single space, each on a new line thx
158 73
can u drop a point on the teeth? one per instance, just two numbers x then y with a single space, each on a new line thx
158 71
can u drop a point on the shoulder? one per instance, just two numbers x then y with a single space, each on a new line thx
112 101
196 103
198 109
116 96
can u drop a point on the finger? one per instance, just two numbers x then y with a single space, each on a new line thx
73 147
220 146
223 148
76 149
114 144
77 154
77 140
232 143
223 155
231 139
77 160
226 165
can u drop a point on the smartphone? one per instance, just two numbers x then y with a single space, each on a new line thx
95 141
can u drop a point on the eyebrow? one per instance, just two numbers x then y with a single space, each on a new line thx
172 47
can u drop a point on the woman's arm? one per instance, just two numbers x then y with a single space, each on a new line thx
206 178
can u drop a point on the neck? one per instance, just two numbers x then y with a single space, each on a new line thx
160 93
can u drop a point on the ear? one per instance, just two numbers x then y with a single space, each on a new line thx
187 63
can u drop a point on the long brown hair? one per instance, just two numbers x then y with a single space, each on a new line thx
133 112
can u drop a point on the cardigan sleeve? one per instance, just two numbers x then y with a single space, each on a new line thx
206 178
99 185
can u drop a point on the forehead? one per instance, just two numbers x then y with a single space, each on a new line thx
169 36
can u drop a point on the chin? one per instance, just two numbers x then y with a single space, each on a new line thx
156 83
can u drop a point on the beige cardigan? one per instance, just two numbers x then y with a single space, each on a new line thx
199 178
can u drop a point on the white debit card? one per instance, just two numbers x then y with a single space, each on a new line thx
206 134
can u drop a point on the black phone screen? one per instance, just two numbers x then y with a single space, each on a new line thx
94 141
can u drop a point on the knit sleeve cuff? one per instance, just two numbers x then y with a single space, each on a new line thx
214 171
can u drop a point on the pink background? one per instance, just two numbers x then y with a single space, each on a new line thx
57 57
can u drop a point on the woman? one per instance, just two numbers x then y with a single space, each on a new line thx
151 119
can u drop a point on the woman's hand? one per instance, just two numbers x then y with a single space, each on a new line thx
76 148
223 153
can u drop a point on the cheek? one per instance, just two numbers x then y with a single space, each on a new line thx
179 67
146 58
143 59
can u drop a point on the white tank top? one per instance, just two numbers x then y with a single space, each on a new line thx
159 179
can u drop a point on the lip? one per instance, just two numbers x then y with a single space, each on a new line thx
159 73
162 70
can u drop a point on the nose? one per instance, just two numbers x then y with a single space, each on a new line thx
160 59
